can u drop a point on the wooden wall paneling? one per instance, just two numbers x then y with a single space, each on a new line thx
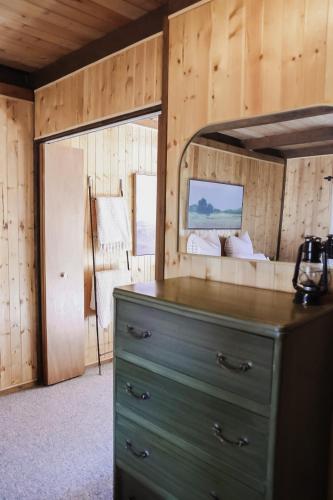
109 155
123 82
5 355
230 60
17 279
59 106
13 248
307 206
28 311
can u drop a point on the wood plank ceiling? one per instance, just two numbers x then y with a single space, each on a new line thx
35 33
285 136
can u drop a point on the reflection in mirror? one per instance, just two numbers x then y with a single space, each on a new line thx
307 208
237 201
251 204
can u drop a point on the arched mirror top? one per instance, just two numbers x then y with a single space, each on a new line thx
254 188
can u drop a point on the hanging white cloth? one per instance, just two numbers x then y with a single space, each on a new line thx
106 281
113 227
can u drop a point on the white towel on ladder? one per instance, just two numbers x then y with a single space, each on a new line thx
106 281
113 227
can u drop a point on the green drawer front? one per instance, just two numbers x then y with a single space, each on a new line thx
128 488
172 468
190 415
191 347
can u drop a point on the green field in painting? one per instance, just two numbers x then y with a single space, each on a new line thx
214 221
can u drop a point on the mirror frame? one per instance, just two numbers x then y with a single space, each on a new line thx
258 120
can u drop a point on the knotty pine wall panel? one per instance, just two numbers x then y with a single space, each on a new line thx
233 59
307 202
110 155
126 81
17 268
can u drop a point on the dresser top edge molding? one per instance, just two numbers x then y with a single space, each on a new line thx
268 312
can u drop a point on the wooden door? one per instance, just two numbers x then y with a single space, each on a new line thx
62 229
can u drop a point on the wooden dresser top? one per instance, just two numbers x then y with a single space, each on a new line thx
266 307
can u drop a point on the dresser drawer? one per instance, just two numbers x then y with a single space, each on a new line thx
172 468
129 488
233 360
224 435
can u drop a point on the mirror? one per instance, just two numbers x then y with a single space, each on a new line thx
255 191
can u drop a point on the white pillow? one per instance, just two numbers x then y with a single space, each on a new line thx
246 238
239 247
210 245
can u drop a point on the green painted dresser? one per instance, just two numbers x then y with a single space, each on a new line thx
222 392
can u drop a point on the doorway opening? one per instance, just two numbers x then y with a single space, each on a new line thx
119 159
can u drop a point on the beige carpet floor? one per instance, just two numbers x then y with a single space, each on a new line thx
56 442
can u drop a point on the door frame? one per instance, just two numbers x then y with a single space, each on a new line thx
149 112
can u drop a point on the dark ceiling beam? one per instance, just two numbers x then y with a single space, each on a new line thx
15 77
225 139
177 5
133 32
238 143
8 90
114 41
309 151
290 138
223 142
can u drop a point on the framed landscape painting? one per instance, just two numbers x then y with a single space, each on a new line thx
145 193
214 205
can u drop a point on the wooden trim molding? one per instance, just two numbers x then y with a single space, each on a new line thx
162 160
114 120
18 388
16 92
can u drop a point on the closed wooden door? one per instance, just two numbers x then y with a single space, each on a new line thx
62 228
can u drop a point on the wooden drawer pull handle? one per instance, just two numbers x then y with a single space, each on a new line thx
217 431
222 360
137 454
137 333
214 495
129 389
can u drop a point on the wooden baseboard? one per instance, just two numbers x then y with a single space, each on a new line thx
18 388
33 383
104 361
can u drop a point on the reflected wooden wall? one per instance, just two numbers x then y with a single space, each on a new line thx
17 263
110 155
263 189
308 202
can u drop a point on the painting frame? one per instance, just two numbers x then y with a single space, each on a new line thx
189 226
144 230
